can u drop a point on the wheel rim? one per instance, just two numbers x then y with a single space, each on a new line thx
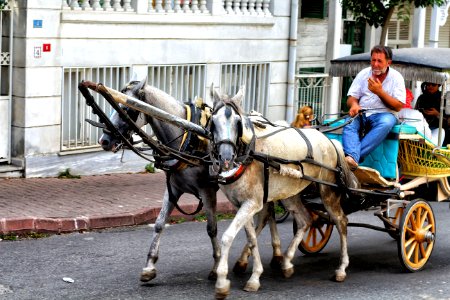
317 236
418 230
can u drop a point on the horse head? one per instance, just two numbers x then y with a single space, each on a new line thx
229 129
110 142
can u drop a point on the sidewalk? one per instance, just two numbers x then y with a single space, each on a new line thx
91 202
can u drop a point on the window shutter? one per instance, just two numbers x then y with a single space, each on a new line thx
313 9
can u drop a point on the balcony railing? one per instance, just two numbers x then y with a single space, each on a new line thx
231 7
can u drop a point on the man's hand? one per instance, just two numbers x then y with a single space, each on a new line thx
375 86
431 112
354 109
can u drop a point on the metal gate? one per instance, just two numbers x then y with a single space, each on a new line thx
6 59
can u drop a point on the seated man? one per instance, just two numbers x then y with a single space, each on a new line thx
429 105
380 91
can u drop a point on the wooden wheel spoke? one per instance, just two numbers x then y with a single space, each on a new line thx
410 231
320 230
308 238
416 252
423 218
411 250
412 222
423 251
314 236
408 242
428 227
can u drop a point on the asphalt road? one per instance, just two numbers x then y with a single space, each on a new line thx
107 264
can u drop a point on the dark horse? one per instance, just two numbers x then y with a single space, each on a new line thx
181 177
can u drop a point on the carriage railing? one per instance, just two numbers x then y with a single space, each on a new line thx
206 7
312 90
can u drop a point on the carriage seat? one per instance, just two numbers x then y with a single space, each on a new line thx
384 157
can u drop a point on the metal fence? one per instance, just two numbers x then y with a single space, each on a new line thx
76 133
255 77
312 91
183 82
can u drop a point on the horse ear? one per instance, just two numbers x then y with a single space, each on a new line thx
141 84
216 97
239 96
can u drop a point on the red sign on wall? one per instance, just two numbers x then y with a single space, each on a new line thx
46 47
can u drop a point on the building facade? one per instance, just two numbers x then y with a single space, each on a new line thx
279 49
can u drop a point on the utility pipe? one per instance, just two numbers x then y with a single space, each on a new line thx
292 58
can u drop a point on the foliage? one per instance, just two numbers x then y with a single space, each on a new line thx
225 216
177 220
150 168
279 210
378 12
3 3
29 235
200 218
66 175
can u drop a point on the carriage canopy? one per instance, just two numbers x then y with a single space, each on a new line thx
415 64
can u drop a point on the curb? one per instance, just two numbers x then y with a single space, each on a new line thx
27 224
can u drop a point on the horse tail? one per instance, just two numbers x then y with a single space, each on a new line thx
349 179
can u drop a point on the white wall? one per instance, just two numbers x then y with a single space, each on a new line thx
88 39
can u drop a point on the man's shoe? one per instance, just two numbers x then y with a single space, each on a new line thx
352 164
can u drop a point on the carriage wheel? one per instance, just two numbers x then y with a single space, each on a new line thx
395 221
417 235
317 235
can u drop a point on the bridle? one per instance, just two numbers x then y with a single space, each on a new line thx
240 149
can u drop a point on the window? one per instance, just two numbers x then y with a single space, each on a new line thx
313 9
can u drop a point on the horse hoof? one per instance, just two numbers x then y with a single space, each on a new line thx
251 287
339 277
275 263
212 276
239 268
223 292
287 273
221 296
148 275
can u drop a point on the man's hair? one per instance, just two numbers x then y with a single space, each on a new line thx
382 49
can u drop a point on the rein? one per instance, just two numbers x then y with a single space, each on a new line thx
164 153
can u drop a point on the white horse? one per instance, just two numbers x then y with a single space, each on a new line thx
304 153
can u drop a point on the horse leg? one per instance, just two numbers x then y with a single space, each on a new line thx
244 214
264 216
303 220
149 271
253 283
210 196
277 255
331 201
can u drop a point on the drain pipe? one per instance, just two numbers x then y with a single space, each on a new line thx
291 62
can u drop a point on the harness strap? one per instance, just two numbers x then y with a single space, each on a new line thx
188 117
266 182
175 203
309 154
273 132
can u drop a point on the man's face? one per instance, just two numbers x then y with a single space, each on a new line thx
379 63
